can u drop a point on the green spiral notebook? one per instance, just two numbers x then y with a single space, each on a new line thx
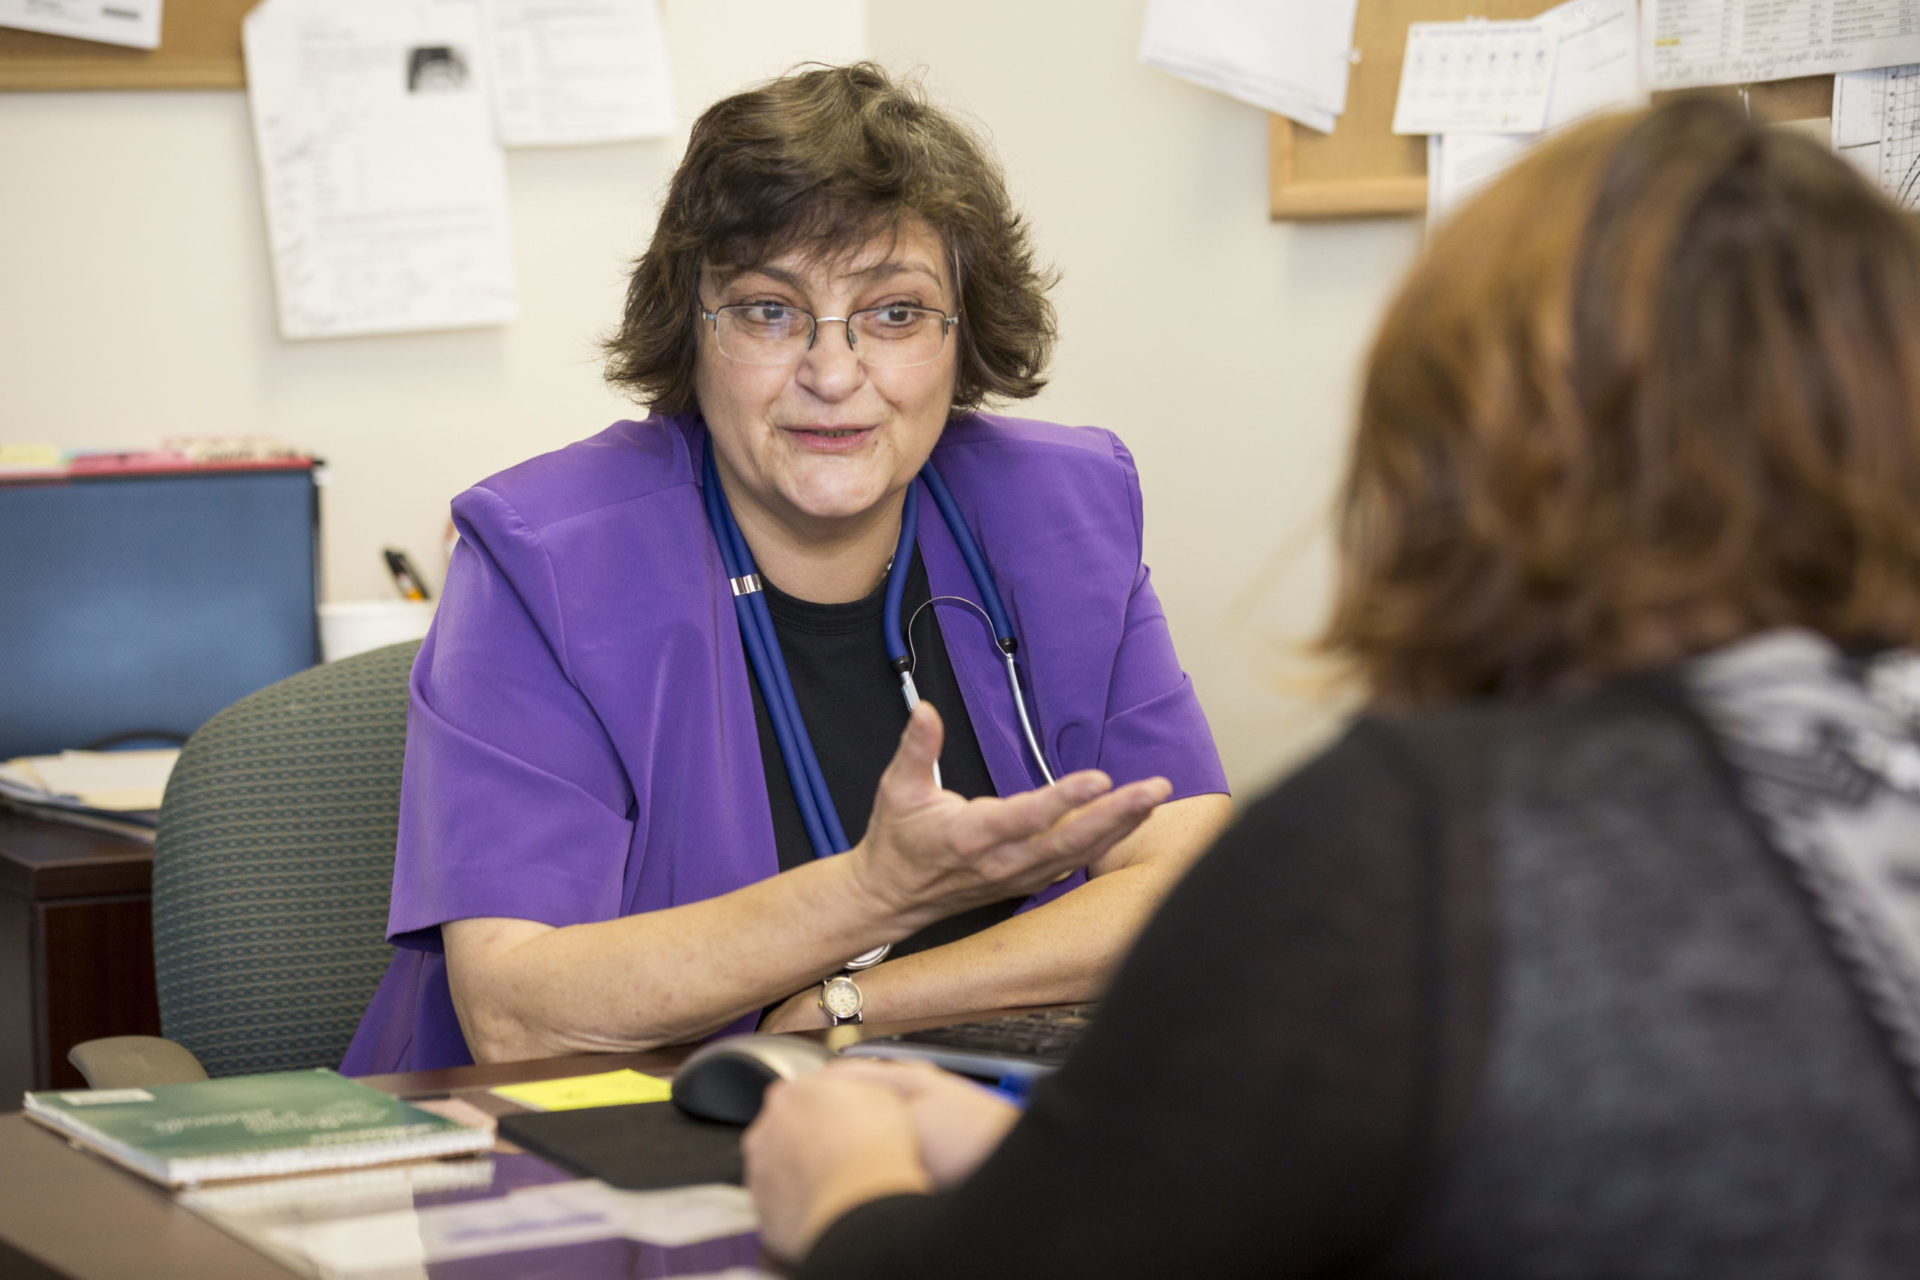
251 1126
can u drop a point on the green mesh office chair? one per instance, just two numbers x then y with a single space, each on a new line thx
271 876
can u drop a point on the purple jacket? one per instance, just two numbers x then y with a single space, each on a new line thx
581 741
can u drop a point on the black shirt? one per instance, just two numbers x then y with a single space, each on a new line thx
1495 992
850 701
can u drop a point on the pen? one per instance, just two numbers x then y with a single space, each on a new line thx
405 576
1015 1089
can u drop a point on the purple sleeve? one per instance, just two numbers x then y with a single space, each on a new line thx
513 801
1154 724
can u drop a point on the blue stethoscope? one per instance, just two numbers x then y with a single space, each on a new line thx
817 813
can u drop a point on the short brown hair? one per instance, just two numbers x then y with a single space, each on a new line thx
1656 390
825 159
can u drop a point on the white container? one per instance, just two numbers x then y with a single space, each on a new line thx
355 626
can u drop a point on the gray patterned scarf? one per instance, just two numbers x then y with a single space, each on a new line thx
1826 751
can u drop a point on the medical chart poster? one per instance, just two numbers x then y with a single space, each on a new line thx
1688 43
385 186
576 72
134 23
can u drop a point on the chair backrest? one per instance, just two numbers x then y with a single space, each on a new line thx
273 866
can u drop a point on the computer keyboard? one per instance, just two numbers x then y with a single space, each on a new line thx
1023 1045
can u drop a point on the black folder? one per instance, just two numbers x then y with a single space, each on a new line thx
640 1147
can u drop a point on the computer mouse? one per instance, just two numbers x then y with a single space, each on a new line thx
724 1080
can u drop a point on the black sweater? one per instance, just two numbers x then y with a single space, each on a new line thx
1498 992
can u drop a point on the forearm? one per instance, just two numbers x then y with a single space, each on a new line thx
1065 950
524 989
661 977
1057 953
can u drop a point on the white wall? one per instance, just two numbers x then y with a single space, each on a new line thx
1222 346
135 302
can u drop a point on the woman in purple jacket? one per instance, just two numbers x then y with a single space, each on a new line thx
612 835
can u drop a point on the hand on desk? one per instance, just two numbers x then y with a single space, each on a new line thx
829 1142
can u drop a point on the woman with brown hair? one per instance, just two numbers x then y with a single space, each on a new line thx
665 767
1593 949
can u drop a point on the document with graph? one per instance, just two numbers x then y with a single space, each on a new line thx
1701 42
1876 125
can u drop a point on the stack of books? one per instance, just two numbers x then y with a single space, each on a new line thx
252 1126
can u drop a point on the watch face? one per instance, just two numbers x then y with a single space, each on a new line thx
841 998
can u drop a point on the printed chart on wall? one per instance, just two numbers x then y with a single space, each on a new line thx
1876 125
573 72
1703 42
385 184
1594 69
135 23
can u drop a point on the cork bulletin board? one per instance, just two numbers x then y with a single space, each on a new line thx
199 49
1364 169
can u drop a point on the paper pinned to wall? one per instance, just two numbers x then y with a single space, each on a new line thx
1291 57
1876 126
135 23
1596 69
571 72
1476 77
1702 42
385 186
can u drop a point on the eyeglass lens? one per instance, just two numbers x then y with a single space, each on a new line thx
883 337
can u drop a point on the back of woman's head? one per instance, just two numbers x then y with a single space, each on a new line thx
1657 389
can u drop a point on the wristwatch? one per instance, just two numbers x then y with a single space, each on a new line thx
841 998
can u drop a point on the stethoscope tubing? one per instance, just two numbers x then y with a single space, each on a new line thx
817 811
819 816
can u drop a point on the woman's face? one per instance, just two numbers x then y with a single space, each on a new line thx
824 441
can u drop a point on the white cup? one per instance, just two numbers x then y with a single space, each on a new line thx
355 626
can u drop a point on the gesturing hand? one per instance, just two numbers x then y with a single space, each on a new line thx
929 853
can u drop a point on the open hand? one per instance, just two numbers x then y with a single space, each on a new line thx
928 853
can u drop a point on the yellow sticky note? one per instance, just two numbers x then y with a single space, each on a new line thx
608 1089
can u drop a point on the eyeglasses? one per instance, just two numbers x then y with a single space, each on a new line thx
897 336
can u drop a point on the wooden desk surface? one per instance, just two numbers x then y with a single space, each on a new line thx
41 860
66 1213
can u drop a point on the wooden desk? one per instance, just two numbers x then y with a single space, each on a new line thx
68 1215
76 947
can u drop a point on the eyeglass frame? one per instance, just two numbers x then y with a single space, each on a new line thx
947 322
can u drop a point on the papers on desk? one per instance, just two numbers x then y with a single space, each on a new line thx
26 460
578 71
606 1089
112 791
1700 42
1288 56
385 186
371 1224
1595 69
112 781
130 22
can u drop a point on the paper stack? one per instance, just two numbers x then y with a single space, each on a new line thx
1593 67
1288 56
114 791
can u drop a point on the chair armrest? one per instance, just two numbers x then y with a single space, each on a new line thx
127 1062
